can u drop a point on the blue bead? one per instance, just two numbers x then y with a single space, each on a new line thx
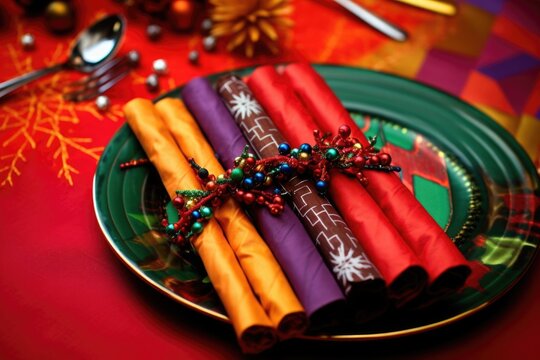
277 191
284 148
247 183
196 214
258 177
285 169
321 186
305 148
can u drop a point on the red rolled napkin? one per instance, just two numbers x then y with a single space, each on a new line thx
396 262
446 266
357 276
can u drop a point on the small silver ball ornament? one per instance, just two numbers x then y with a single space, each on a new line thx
209 43
206 25
28 41
152 82
103 103
153 32
160 66
134 57
193 57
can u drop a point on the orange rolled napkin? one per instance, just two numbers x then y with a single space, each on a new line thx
261 268
446 266
253 327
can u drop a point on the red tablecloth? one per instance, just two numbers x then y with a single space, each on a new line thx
63 293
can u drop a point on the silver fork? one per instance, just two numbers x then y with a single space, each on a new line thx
103 78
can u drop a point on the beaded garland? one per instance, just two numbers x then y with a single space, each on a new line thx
253 181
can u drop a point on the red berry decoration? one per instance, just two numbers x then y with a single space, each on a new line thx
344 131
385 159
359 161
340 152
374 160
249 198
178 202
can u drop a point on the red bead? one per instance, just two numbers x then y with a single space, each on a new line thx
176 226
250 161
212 177
385 159
278 200
344 131
180 239
211 185
164 223
249 198
317 173
359 161
260 200
178 202
239 195
274 209
293 163
363 180
374 160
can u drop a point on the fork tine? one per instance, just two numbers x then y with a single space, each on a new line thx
91 93
102 78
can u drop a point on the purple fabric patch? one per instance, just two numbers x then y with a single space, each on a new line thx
492 6
497 49
446 71
510 67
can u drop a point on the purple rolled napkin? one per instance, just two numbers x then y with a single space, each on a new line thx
312 281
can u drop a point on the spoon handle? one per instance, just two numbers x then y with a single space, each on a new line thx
376 22
10 85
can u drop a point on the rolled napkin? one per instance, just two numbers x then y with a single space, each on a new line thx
253 327
397 263
261 268
310 278
446 266
358 277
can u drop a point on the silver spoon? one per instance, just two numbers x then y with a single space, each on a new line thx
93 46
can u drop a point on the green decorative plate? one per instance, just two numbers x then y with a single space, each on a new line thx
469 173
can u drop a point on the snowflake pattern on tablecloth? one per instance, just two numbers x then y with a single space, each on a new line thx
346 266
244 105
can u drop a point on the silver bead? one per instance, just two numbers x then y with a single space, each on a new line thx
103 103
209 43
134 57
152 82
160 66
28 41
153 32
206 25
193 57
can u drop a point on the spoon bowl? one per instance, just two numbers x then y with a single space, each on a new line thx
93 46
97 43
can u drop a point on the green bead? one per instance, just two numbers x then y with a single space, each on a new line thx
206 212
295 152
331 154
197 227
237 174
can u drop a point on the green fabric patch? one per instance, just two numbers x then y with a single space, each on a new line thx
434 197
